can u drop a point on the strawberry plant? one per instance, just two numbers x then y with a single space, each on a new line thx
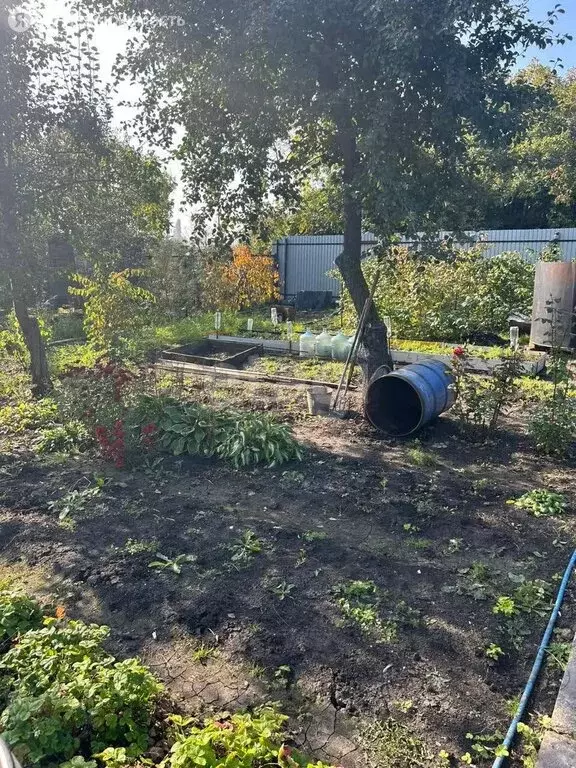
64 692
541 503
18 614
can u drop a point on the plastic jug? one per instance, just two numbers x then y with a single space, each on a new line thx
340 346
324 344
307 344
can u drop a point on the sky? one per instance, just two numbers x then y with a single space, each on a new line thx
566 25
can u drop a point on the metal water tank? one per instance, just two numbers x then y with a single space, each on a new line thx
554 306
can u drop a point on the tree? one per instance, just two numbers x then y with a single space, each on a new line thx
266 92
65 181
44 83
532 181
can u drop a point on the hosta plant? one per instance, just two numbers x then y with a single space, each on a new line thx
540 503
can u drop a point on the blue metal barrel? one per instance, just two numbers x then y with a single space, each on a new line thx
402 402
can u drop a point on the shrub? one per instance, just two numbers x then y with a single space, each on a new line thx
448 296
553 422
553 426
480 402
248 279
113 305
65 691
18 614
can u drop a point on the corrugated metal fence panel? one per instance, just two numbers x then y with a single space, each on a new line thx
305 260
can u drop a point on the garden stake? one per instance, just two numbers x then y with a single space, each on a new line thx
351 359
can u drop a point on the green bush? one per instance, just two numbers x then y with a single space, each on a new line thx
241 740
448 297
65 692
553 426
242 438
18 614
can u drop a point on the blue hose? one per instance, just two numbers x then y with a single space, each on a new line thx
529 689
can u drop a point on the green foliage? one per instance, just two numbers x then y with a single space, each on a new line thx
480 402
248 546
361 604
113 305
63 689
448 297
75 502
174 565
516 612
233 741
553 426
18 614
66 438
541 503
553 423
558 655
12 344
34 414
241 438
494 652
64 359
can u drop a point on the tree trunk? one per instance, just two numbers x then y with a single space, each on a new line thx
30 328
10 261
374 351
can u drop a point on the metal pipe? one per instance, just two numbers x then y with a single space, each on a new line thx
537 666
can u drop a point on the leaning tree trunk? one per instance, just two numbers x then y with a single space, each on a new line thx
374 351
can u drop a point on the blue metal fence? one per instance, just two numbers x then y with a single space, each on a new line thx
305 261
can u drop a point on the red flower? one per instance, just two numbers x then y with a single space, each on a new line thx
458 351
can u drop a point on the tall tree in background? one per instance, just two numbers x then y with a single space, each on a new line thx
45 82
65 181
386 90
532 181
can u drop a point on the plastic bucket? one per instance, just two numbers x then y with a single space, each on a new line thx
402 402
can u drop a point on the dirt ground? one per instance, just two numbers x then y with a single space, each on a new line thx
411 516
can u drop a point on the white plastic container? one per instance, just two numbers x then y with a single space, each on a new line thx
307 343
323 347
340 347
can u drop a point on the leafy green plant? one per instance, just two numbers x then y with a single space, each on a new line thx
283 589
34 414
241 438
164 563
139 546
494 652
75 502
203 653
284 674
113 304
18 614
63 689
248 546
66 438
553 422
476 582
558 655
420 457
447 293
480 402
488 745
541 503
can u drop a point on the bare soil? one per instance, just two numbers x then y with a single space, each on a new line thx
339 515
